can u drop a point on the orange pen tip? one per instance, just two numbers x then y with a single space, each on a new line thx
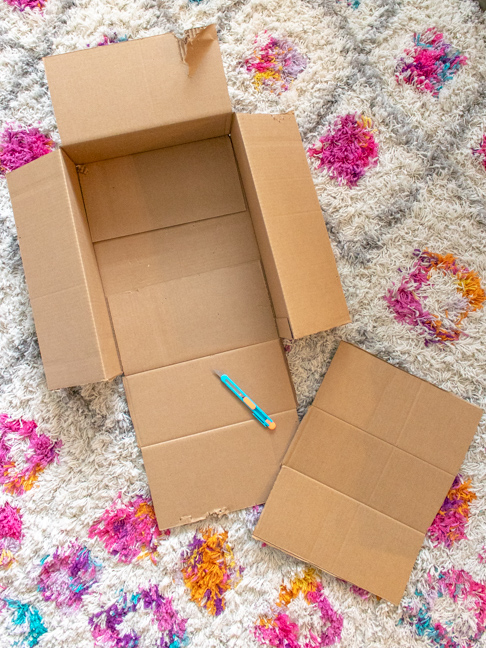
272 426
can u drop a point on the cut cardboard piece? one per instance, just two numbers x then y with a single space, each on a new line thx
140 95
179 260
367 472
70 311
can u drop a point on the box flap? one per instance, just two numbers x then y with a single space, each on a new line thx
194 400
294 245
139 95
217 471
70 312
367 471
203 450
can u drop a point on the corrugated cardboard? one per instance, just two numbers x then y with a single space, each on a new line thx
173 250
140 95
294 245
70 311
202 449
367 471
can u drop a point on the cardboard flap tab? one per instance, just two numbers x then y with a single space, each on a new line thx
70 312
139 95
289 226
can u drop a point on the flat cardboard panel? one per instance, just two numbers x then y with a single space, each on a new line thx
378 554
140 91
192 317
358 449
302 516
295 248
133 262
216 471
339 455
371 471
188 397
70 312
162 188
414 415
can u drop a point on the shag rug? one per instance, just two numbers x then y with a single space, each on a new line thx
390 97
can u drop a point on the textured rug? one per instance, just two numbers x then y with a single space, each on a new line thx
390 97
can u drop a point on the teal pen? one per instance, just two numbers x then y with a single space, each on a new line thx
257 412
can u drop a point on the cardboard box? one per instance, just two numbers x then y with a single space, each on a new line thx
169 238
367 472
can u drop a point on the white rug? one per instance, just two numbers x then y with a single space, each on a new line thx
426 191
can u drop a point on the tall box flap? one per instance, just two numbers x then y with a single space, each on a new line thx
139 95
294 244
70 311
367 472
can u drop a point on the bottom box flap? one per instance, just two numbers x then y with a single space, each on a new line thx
188 398
218 471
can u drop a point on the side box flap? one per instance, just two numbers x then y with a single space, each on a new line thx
70 312
294 245
139 95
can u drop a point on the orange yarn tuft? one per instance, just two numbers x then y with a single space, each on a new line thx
209 570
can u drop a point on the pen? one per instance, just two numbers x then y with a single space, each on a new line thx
257 412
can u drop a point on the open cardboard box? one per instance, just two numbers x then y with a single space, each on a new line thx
367 471
169 238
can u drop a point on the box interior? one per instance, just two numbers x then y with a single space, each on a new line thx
179 263
182 274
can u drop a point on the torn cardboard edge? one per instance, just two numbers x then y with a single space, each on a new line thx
367 471
231 467
194 45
